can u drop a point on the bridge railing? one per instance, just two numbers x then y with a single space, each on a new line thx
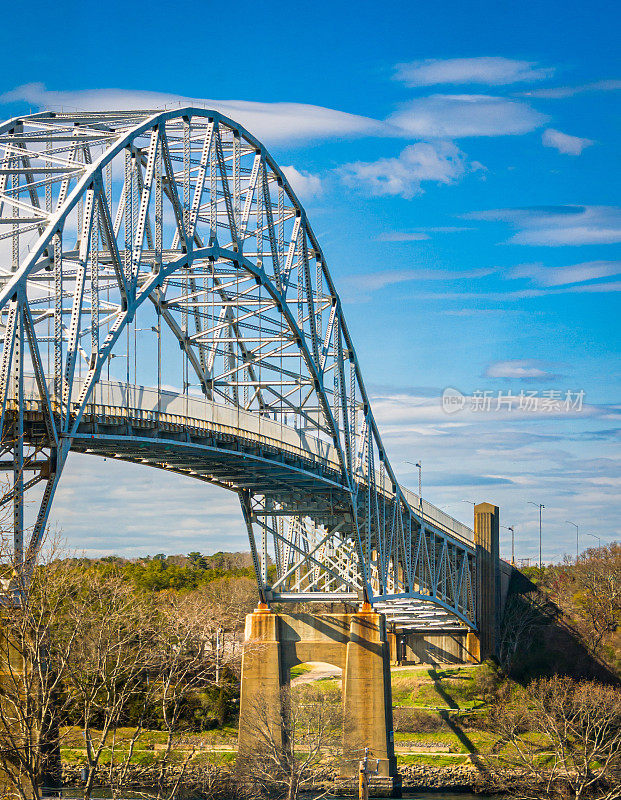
115 399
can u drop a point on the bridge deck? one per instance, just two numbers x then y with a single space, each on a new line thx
116 405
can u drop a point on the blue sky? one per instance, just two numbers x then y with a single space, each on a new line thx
460 164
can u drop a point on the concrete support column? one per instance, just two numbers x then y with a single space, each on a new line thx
367 695
262 679
487 541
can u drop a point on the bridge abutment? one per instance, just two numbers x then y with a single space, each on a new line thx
487 542
358 644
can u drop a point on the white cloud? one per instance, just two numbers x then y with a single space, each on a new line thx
516 368
564 143
438 116
561 92
419 235
440 162
306 185
403 236
560 276
456 116
273 122
113 507
105 506
490 70
558 225
520 294
360 287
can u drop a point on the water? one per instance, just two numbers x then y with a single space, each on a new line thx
105 794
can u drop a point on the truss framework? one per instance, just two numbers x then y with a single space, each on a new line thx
172 242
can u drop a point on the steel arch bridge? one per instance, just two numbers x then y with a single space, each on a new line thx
145 250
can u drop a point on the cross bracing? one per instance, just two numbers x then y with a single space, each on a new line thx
167 250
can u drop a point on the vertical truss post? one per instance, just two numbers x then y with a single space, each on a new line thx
18 449
246 506
58 324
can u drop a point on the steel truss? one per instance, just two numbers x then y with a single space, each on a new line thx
172 242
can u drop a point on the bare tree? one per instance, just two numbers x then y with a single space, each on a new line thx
110 662
34 654
591 591
559 738
290 757
523 616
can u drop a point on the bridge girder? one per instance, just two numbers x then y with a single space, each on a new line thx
180 224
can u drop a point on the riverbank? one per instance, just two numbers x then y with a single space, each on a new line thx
217 779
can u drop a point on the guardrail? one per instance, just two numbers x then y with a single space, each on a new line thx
113 399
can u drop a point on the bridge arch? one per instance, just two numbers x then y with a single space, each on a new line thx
179 223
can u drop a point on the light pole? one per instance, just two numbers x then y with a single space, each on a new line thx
510 528
540 506
419 466
569 522
599 541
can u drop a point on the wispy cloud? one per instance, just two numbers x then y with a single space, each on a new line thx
561 92
403 236
542 275
564 143
527 368
437 116
488 70
462 115
306 185
520 294
558 225
360 287
274 122
419 235
440 162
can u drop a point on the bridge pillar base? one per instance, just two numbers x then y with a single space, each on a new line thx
367 694
358 644
261 684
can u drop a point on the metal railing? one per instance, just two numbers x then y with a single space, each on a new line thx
117 400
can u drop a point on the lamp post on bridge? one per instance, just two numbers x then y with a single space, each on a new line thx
122 355
157 331
540 506
419 466
510 528
569 522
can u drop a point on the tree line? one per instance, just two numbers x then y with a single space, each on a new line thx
88 646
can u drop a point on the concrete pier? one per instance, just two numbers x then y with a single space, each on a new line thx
487 541
357 643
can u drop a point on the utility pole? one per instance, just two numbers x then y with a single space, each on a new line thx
219 642
569 522
540 506
363 778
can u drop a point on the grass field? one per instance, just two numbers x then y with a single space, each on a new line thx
427 705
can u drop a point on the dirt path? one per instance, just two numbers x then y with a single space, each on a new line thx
319 670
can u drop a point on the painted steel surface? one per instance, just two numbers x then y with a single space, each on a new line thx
167 248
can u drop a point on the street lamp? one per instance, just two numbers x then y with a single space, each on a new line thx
510 528
569 522
419 466
540 506
599 541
